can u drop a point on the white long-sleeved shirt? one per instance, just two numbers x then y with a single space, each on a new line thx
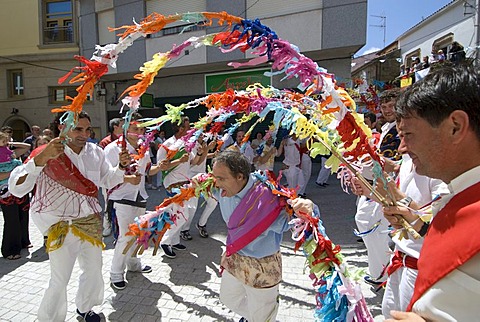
127 191
291 153
50 205
455 296
181 171
422 190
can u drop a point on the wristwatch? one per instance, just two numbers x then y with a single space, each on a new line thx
405 201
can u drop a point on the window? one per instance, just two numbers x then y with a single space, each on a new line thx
57 22
443 43
58 95
410 57
15 83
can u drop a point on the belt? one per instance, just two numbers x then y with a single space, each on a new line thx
401 259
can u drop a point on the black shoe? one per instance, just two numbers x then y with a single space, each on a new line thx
146 269
202 230
360 240
118 285
303 195
322 185
179 247
185 235
243 320
368 279
167 249
90 316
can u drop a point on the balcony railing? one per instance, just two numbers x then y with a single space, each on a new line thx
56 35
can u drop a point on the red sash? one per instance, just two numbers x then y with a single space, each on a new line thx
451 240
63 171
253 215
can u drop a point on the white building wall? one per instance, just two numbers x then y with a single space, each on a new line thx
450 20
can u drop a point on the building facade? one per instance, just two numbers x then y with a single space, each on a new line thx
53 31
328 32
38 42
455 22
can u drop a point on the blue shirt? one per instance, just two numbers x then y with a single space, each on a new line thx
268 243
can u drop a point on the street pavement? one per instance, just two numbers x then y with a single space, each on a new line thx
187 288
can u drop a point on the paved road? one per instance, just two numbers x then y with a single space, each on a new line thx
186 288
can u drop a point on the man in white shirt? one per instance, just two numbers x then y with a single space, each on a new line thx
129 201
439 125
369 212
290 146
198 164
174 162
65 208
246 149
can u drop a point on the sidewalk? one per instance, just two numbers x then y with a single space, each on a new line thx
185 288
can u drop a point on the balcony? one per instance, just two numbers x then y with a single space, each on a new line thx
58 35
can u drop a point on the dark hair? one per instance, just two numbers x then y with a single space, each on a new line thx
136 116
7 129
441 92
56 121
390 95
371 116
176 127
114 122
235 161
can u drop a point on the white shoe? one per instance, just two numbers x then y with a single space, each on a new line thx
107 232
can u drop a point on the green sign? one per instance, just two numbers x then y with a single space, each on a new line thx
220 82
146 100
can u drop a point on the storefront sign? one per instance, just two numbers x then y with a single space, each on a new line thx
220 82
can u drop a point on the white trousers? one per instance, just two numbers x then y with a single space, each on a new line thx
90 287
125 216
399 290
306 171
254 304
172 235
210 206
189 213
294 176
368 213
324 173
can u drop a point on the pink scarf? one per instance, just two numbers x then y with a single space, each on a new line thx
254 214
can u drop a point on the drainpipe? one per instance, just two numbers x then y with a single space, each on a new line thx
477 31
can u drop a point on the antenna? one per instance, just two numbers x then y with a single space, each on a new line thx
383 25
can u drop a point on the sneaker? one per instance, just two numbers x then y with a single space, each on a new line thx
154 187
185 235
202 230
179 247
145 269
90 316
119 285
370 280
242 320
167 249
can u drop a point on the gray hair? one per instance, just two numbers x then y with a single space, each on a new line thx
235 161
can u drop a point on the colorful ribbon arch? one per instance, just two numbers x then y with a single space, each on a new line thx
321 112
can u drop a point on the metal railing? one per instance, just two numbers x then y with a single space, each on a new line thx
55 35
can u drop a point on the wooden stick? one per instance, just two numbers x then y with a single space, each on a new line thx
405 224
